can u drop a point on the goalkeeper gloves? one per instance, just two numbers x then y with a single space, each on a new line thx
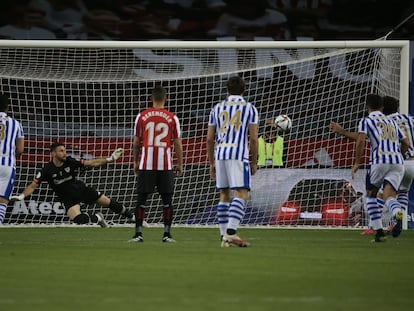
19 197
115 155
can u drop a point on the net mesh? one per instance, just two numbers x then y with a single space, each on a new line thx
88 98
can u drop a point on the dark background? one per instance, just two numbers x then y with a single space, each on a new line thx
200 20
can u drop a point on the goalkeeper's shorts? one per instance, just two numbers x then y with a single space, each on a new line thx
87 195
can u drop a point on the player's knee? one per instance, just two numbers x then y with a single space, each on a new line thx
141 200
242 194
225 195
81 219
166 199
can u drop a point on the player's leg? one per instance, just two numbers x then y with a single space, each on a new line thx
165 186
402 198
3 208
146 181
402 194
369 230
375 215
223 205
167 216
375 178
86 195
239 181
116 207
406 182
392 182
236 213
81 218
7 177
139 218
223 211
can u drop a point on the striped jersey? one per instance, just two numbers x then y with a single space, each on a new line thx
406 124
384 136
157 129
10 131
232 118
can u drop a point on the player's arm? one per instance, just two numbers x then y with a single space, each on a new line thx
336 128
102 161
178 148
19 146
404 140
254 147
211 134
26 192
136 147
405 145
359 152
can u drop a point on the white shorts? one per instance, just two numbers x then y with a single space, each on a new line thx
233 174
7 176
408 175
392 173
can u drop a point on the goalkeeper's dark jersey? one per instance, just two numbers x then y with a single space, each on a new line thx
63 179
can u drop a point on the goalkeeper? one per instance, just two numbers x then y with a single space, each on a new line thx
61 174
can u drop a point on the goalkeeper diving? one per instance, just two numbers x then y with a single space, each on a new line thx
62 172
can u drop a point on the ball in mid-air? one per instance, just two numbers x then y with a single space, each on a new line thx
283 122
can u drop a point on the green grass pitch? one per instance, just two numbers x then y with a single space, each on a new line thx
96 269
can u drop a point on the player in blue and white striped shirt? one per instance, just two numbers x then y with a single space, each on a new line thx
11 146
231 139
406 124
386 163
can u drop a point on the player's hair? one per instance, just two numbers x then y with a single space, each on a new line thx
270 129
4 102
158 94
374 101
236 86
55 145
391 105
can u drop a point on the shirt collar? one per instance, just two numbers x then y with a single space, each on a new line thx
235 97
376 113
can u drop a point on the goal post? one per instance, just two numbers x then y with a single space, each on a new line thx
88 93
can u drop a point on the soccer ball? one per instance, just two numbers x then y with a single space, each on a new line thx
283 122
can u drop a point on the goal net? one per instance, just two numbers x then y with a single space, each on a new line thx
87 95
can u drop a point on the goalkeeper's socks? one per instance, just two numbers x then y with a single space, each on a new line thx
116 207
95 218
128 213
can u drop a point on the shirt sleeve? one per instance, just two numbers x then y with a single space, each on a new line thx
212 119
362 126
40 176
75 163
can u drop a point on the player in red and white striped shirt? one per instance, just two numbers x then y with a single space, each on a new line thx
156 131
